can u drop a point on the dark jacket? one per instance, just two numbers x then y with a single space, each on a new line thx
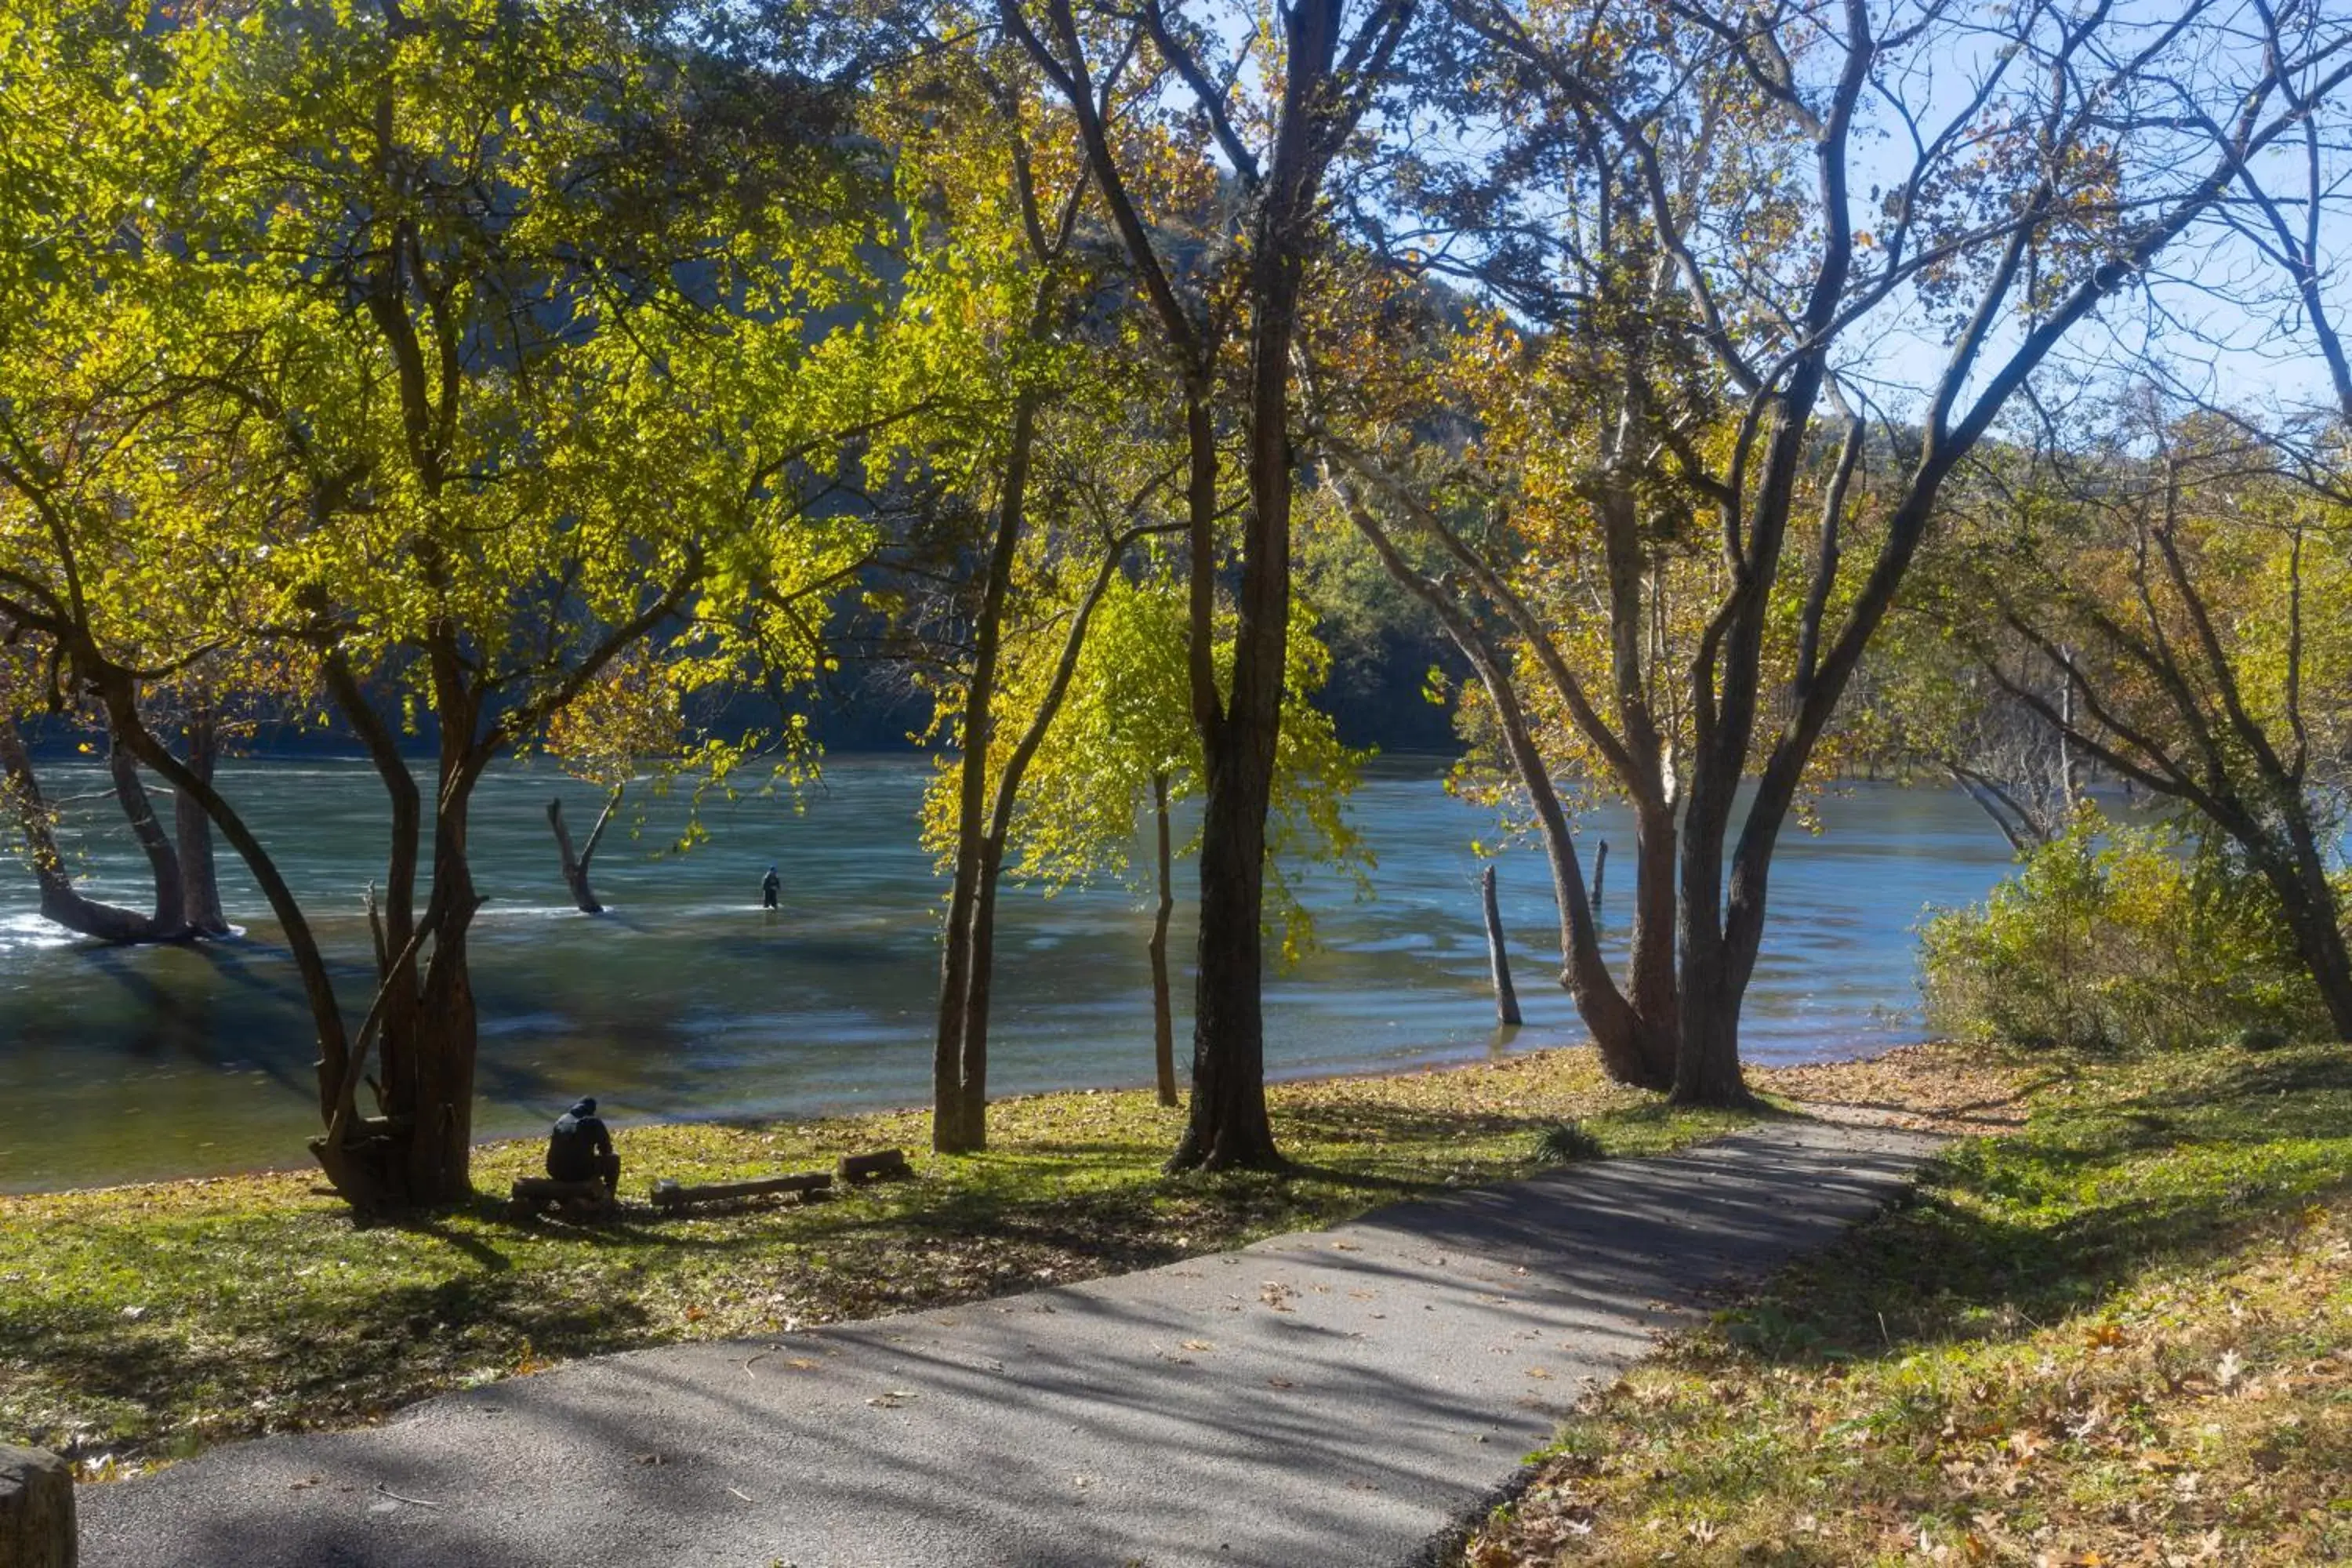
579 1137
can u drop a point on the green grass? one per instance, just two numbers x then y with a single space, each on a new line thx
141 1323
2121 1334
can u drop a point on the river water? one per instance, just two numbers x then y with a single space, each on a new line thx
687 1000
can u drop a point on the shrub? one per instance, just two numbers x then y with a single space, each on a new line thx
2118 937
1565 1142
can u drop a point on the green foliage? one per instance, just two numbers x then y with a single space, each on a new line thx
2117 936
1565 1143
1127 718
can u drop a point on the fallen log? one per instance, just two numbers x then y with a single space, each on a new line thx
886 1164
36 1509
590 1199
812 1186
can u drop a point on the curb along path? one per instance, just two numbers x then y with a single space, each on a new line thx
1332 1397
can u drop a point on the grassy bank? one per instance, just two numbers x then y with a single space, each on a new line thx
2122 1333
140 1324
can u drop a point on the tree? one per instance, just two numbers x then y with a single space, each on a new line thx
1279 142
1124 745
2195 600
1926 702
995 192
480 336
1698 308
188 895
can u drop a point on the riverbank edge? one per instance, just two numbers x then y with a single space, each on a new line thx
1764 1077
140 1322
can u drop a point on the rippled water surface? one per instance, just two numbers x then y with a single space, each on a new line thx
689 1000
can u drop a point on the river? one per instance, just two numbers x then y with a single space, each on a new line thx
687 1000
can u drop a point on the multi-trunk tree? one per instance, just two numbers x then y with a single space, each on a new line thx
1734 252
1049 443
485 342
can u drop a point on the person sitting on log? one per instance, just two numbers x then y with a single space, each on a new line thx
579 1149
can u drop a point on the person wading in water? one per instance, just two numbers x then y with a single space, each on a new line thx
772 888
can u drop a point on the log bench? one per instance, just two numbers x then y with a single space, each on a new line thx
883 1165
670 1196
582 1200
36 1509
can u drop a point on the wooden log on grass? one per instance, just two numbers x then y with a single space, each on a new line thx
36 1509
812 1186
532 1194
888 1165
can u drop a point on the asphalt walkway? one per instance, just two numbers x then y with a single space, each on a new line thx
1336 1397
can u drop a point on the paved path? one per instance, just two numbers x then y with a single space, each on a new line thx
1339 1397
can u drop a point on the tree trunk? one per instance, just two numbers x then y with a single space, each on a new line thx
418 1154
980 984
2321 942
438 1117
140 812
1706 1064
1651 989
61 900
116 689
2308 902
951 1118
200 904
1163 1018
1717 949
575 867
429 1091
1229 1128
1630 1053
1498 962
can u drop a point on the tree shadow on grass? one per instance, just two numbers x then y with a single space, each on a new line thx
2002 1235
131 1394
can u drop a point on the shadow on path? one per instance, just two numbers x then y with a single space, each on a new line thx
1332 1397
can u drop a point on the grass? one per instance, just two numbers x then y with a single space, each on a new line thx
2120 1334
141 1323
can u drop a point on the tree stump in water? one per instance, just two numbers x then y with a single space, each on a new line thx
36 1509
575 866
1506 1000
